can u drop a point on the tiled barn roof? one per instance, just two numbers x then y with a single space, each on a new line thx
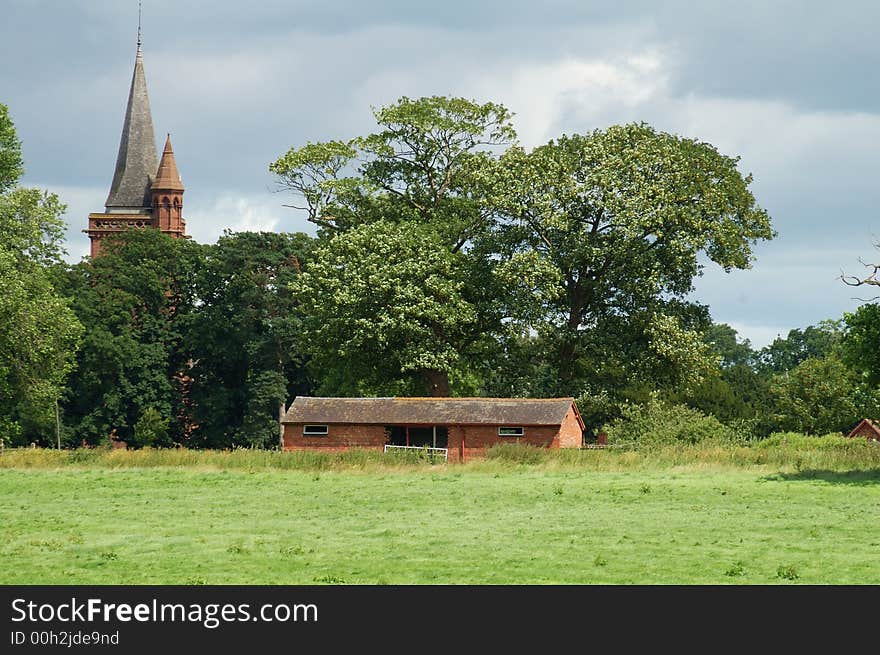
430 411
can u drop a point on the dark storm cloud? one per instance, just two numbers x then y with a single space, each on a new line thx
786 85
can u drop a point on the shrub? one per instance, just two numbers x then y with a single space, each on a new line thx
151 429
657 424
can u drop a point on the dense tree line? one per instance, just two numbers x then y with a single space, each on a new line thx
448 261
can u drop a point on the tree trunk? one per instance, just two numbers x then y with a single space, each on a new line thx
568 350
438 383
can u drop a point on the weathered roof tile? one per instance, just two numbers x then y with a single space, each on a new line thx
429 411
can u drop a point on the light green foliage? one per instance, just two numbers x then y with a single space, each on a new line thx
384 304
417 166
618 519
657 424
822 395
39 333
151 429
316 173
623 214
11 162
579 254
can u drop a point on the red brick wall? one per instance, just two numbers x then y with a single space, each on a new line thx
570 433
477 438
338 437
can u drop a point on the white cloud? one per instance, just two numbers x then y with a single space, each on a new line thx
573 94
209 217
80 201
760 335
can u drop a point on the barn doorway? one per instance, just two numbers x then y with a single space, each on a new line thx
431 437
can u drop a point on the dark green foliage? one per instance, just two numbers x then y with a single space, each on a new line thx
861 343
726 344
815 341
245 338
820 396
135 301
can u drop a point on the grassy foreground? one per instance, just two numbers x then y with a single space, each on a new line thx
590 517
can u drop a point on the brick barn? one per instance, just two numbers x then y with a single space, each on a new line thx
464 426
866 429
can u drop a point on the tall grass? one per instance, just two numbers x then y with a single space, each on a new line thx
240 459
781 451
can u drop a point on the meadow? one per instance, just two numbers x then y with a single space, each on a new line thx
789 511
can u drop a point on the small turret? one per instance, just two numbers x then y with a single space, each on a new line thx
166 193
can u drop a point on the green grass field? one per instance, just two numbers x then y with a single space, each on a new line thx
621 519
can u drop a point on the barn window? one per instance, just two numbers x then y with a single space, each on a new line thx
314 429
510 432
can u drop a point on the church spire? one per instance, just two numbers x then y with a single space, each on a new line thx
144 193
137 159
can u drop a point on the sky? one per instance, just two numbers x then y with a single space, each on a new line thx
789 87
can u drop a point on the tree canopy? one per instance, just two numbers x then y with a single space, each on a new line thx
38 332
581 252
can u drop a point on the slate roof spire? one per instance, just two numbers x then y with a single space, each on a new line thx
137 160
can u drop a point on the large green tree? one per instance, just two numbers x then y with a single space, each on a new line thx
408 190
623 217
246 338
39 333
136 301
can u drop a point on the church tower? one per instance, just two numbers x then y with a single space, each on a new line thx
144 192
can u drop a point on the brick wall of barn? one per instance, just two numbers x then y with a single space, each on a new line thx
338 437
570 433
477 438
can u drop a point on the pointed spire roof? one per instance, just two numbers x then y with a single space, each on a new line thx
167 177
136 161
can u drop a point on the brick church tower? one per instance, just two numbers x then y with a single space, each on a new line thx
143 193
